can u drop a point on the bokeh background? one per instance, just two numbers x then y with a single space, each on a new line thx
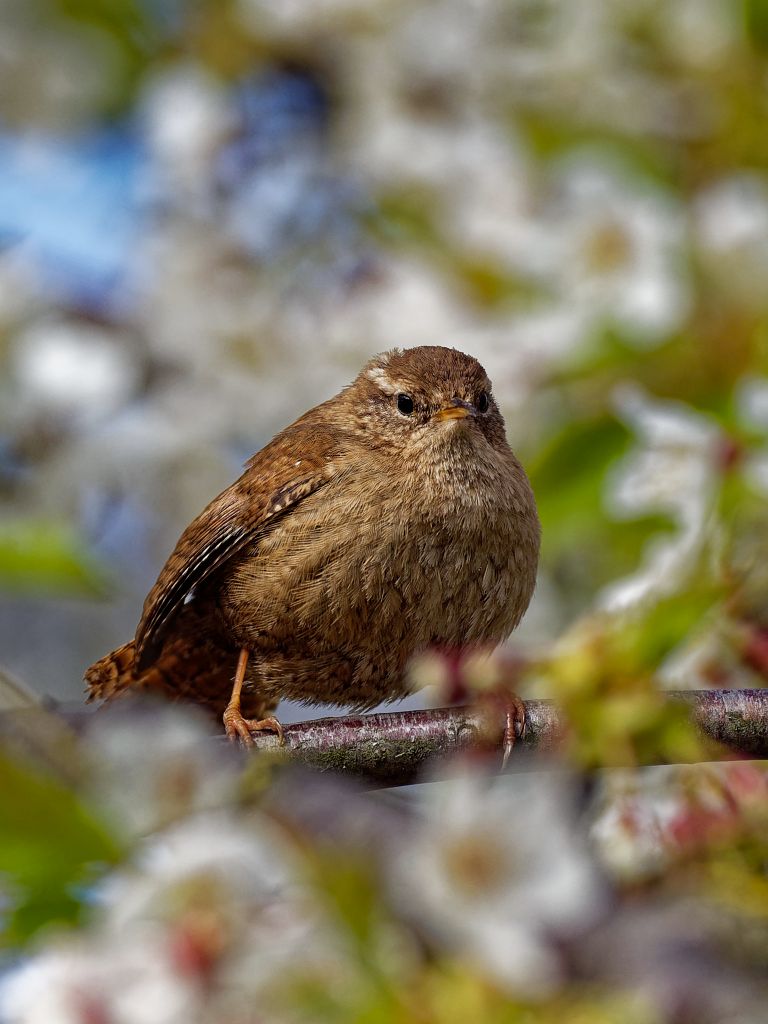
211 214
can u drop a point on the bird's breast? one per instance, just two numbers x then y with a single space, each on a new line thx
387 559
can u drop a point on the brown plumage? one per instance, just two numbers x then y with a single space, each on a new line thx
390 518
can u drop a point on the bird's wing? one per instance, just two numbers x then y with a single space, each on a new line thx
293 465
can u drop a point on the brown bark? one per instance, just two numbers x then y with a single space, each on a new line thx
394 748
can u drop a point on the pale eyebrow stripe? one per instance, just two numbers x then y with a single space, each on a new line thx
379 376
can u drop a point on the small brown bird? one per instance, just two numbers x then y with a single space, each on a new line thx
391 518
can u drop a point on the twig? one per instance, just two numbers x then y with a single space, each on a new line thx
394 748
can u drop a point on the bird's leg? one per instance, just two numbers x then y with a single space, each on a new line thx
237 727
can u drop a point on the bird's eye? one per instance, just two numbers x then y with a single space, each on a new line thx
405 404
482 402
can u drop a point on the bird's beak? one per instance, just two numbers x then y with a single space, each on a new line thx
457 410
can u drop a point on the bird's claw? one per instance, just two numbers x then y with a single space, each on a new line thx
239 729
514 726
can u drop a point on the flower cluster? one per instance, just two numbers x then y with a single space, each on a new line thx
559 192
241 895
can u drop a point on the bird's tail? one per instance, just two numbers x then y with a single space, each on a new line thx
191 668
114 674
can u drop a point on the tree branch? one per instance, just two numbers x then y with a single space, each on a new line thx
394 748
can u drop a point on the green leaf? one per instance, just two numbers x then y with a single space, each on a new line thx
348 887
404 217
124 32
48 557
756 22
50 847
574 461
568 480
551 137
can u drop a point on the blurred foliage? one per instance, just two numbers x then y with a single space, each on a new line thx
297 905
46 556
614 710
52 850
567 478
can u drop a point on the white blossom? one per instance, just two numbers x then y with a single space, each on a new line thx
404 291
475 177
73 370
495 869
236 886
731 218
633 812
752 406
673 471
614 247
292 18
245 867
208 918
752 403
80 981
701 33
177 770
186 115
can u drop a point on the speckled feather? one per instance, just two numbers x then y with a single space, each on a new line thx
355 538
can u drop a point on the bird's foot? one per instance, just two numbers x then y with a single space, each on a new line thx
498 702
241 729
514 724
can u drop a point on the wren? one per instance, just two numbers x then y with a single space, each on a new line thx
392 518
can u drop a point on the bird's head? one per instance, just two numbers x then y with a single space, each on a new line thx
425 397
